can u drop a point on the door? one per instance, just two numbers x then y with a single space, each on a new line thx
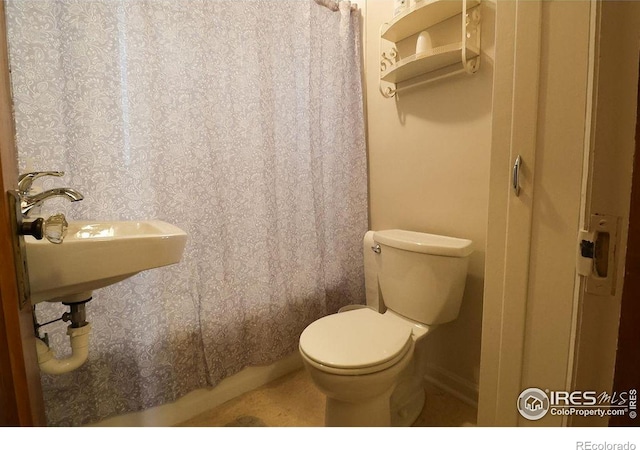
571 117
608 182
538 120
21 402
515 106
627 371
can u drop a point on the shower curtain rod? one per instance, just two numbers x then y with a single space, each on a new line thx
333 5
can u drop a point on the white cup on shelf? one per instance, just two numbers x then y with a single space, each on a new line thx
424 42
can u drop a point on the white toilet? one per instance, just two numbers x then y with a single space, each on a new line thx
363 359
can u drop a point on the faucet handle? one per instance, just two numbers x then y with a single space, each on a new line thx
54 228
26 179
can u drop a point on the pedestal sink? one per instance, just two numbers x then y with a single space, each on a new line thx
98 254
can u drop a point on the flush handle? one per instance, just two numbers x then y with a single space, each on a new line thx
376 248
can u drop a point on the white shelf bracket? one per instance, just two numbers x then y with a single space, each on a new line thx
388 59
387 62
470 31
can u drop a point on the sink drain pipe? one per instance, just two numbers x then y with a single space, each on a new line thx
78 333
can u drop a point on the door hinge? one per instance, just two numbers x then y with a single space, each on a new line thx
596 259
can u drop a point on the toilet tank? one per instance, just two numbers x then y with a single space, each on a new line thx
422 276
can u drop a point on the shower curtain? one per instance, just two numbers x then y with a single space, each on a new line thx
240 122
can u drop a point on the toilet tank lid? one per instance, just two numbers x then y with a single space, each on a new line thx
432 244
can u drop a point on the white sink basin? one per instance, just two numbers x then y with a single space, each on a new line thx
97 254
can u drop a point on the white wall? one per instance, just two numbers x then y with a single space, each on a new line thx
429 155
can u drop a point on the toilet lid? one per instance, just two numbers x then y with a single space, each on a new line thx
355 339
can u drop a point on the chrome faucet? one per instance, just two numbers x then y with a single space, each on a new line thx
29 201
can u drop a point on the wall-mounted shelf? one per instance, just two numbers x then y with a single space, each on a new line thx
425 62
424 16
464 53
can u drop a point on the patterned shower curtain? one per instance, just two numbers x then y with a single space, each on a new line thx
240 122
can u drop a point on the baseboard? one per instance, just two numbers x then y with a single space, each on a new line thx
453 384
202 400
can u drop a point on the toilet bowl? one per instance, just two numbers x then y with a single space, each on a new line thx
363 360
356 358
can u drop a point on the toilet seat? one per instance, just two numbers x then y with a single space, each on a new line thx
355 342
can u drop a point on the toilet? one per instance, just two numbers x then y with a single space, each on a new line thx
368 361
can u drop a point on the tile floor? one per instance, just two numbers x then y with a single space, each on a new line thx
293 401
